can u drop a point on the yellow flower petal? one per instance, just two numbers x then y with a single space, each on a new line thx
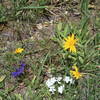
75 67
76 74
72 36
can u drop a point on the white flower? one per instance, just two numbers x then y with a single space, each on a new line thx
60 89
50 81
58 79
52 89
71 81
67 79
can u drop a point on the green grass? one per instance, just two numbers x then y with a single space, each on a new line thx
47 57
22 10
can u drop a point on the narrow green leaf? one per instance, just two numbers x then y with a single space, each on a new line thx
81 60
2 78
18 96
59 26
34 7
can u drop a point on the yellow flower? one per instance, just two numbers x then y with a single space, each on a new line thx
19 50
69 43
76 74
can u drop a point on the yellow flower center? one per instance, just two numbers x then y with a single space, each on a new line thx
71 42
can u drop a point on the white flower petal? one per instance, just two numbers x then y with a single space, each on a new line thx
67 79
60 89
58 79
52 89
71 81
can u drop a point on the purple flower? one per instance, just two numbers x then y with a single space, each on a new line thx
19 70
23 65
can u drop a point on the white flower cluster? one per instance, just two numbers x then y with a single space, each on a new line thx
51 83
